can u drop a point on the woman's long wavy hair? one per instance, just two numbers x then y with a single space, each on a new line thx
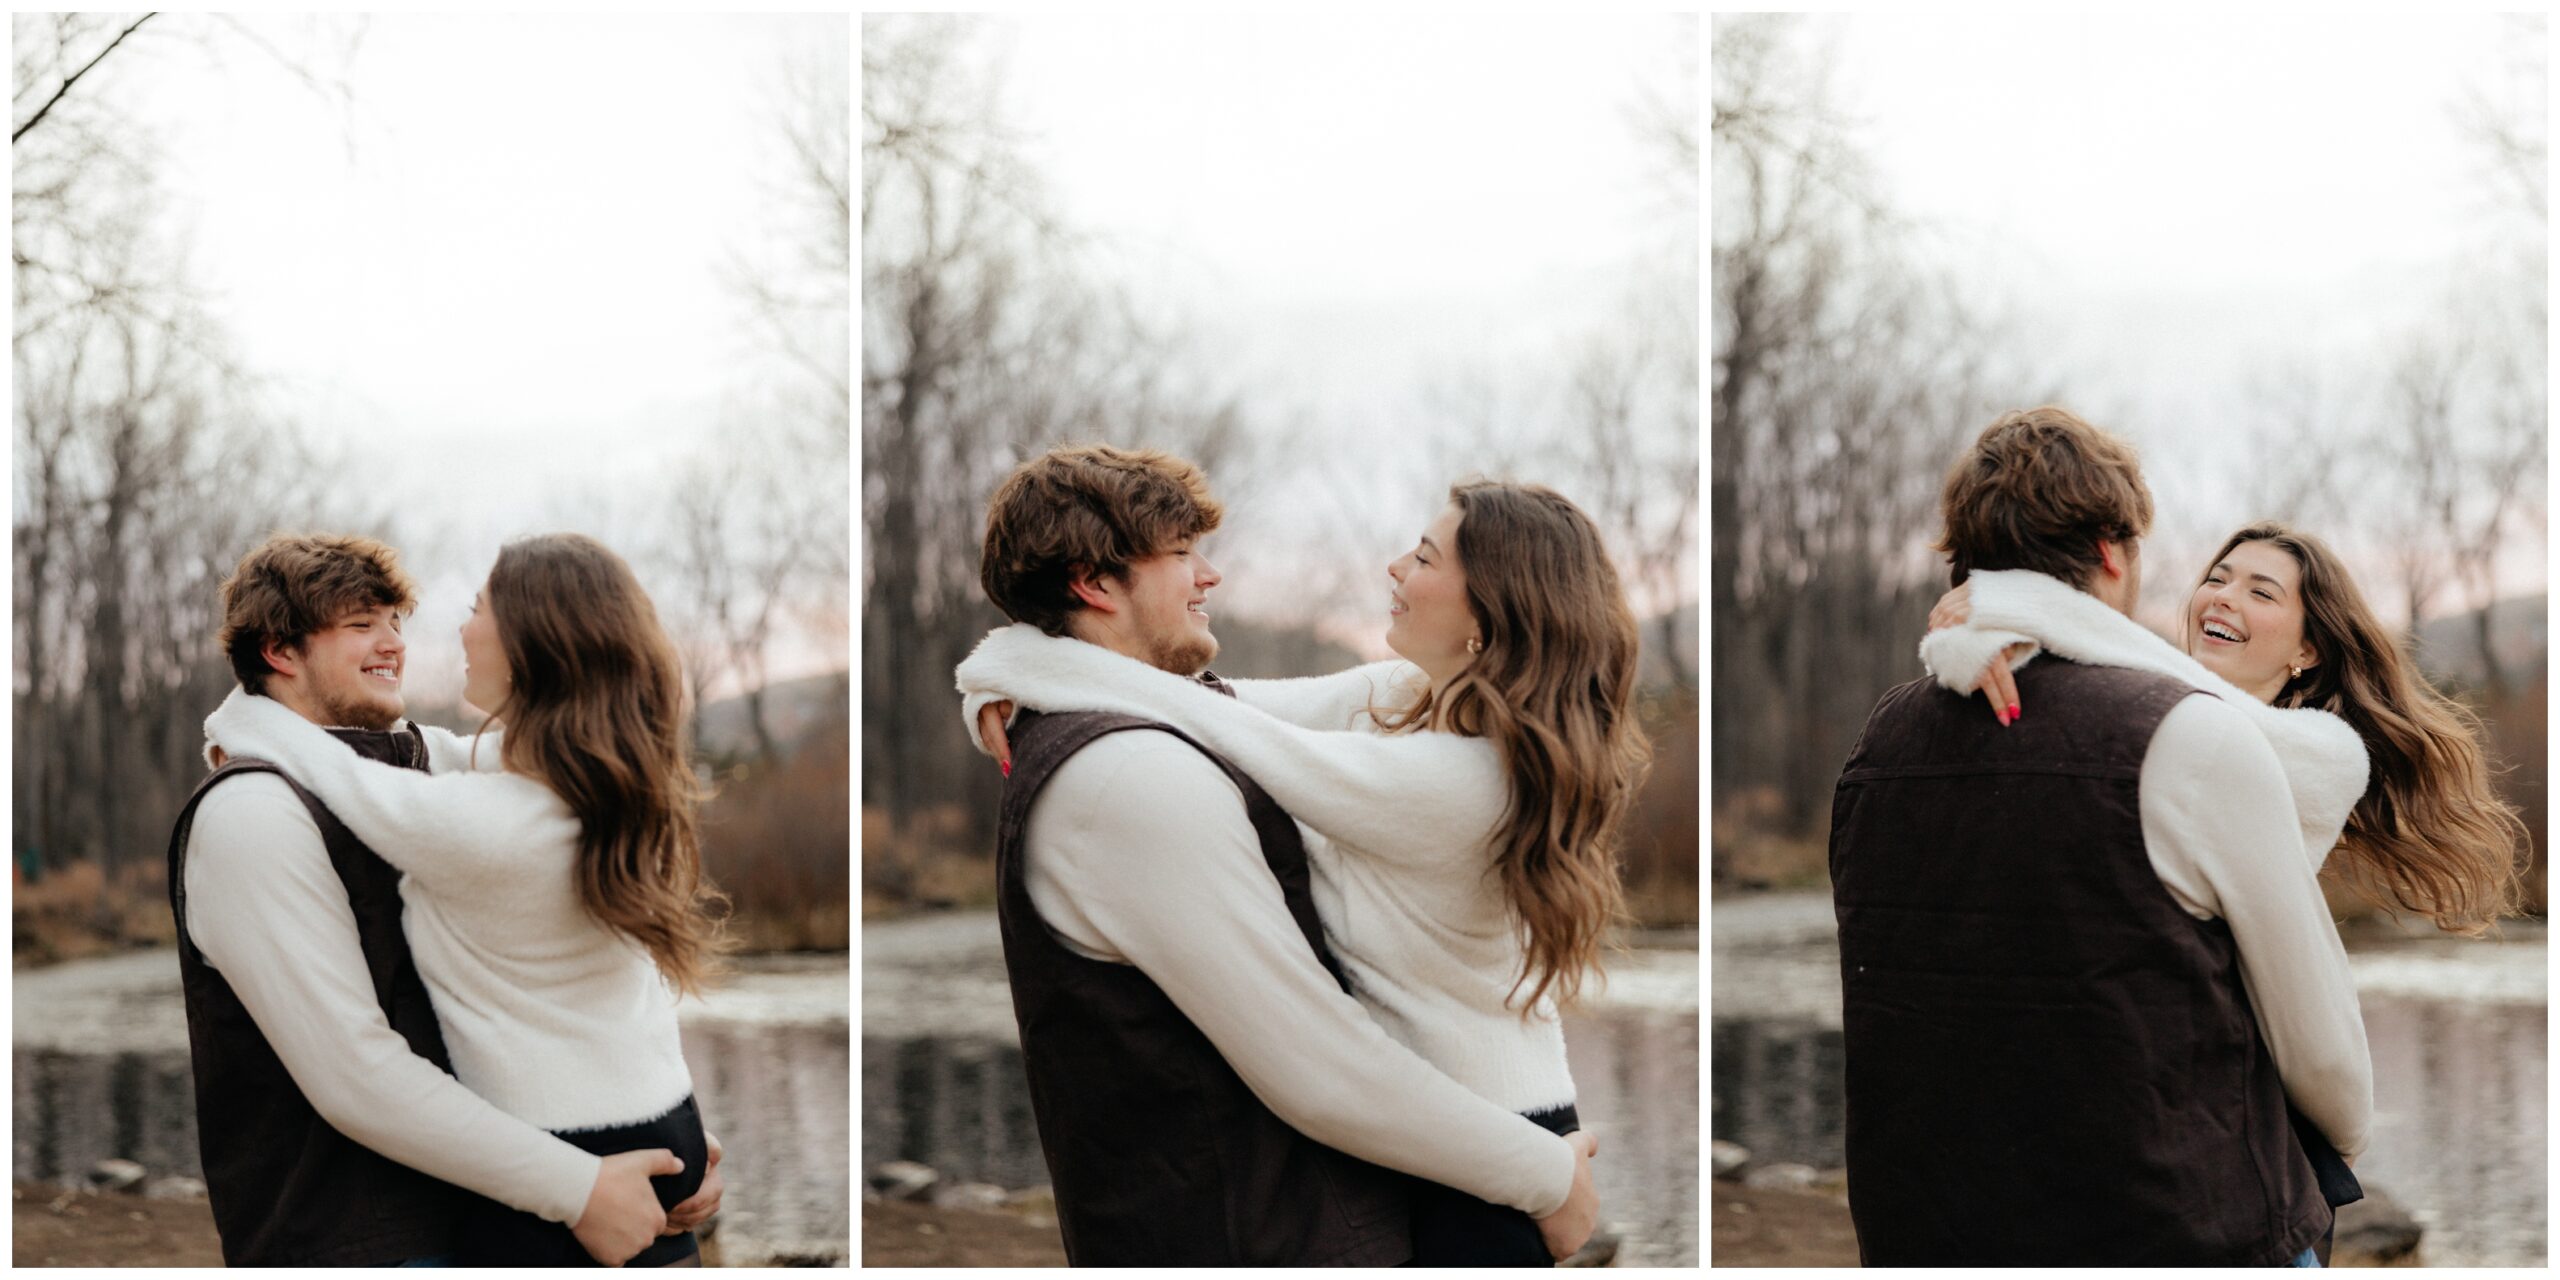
2429 836
597 710
1554 689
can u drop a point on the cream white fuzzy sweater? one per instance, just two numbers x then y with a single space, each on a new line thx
1401 866
557 1019
2324 760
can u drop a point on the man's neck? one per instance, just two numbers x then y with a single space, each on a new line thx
292 698
1102 637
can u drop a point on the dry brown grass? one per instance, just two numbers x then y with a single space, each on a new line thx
934 864
779 841
80 910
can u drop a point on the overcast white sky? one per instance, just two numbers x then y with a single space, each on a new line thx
1343 209
496 280
2177 204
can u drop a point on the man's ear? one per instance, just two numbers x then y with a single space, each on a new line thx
283 659
1093 588
2109 560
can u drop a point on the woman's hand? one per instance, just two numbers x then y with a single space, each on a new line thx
705 1201
991 722
1953 609
1999 685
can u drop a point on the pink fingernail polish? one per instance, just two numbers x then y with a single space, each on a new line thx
1007 766
2013 711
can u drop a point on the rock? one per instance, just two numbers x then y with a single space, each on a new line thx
1781 1177
902 1180
174 1187
1599 1251
2375 1232
978 1196
117 1175
1034 1204
1730 1158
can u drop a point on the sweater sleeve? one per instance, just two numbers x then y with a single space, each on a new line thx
269 912
450 752
2219 835
1338 701
1414 798
2324 761
1147 858
453 831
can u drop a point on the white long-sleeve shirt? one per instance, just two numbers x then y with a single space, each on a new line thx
269 913
556 1018
1139 851
1402 875
2231 790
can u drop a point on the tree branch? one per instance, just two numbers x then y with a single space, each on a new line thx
74 77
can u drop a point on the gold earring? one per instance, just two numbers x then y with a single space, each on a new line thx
2297 672
1474 645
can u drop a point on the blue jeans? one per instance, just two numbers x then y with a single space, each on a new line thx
2309 1258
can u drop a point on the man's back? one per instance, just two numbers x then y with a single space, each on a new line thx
2049 1060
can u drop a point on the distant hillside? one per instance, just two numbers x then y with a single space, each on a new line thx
792 709
1652 668
2519 634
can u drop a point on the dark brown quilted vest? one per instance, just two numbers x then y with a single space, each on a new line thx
1159 1154
2050 1063
287 1189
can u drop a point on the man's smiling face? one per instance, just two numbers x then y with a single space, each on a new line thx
350 670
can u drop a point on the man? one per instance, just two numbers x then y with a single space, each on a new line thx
320 1070
2084 960
1207 1093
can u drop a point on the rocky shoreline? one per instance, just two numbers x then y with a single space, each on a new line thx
1776 1214
914 1217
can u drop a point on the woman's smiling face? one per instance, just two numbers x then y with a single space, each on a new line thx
2244 622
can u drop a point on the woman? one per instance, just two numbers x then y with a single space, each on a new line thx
2279 625
2383 768
1468 799
555 908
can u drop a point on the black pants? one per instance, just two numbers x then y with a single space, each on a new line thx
495 1235
1454 1229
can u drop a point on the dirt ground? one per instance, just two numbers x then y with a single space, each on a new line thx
1754 1227
58 1228
897 1234
52 1227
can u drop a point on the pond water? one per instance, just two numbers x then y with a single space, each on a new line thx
99 1070
942 1080
2458 1029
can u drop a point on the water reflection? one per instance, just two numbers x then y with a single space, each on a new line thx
99 1071
2459 1135
959 1104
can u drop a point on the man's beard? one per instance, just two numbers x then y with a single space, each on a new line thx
347 711
1182 653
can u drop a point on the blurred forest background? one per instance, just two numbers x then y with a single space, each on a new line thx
997 323
2396 405
157 437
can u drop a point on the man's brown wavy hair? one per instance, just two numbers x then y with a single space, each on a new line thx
295 584
1085 508
2040 489
597 710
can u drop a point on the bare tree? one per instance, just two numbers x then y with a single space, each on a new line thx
146 462
1844 382
989 332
